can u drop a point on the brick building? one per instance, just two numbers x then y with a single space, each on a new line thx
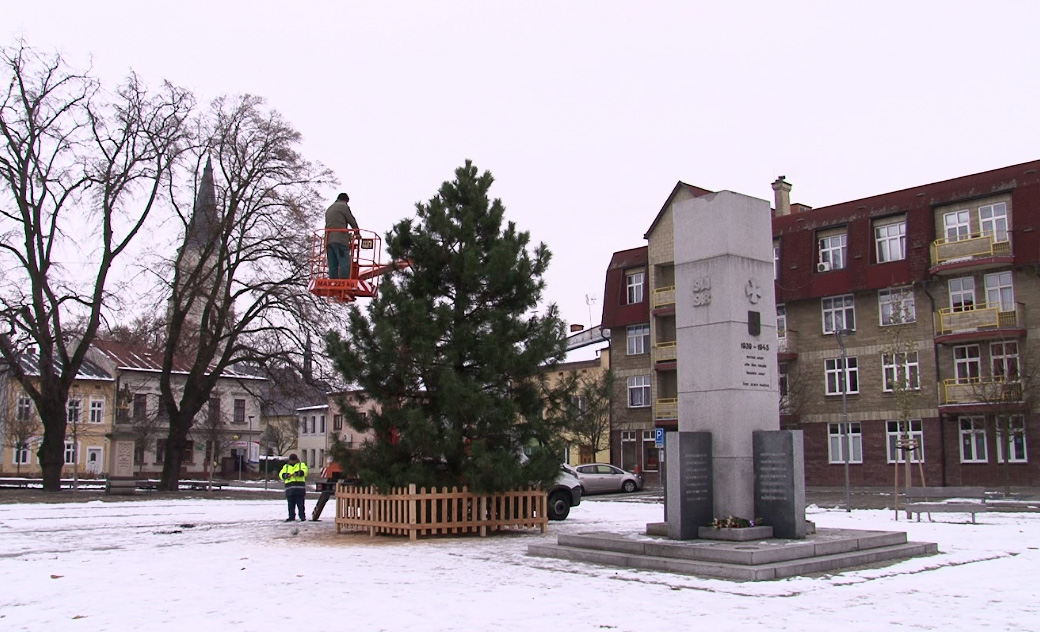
934 293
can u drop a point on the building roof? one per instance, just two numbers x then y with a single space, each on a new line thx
615 311
87 371
132 357
681 189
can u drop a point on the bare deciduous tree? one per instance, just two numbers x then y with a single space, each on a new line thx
79 176
19 425
238 296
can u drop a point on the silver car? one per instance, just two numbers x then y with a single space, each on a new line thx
597 478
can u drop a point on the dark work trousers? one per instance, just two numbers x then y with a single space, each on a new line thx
339 261
294 496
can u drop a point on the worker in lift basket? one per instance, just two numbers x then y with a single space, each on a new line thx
338 241
294 475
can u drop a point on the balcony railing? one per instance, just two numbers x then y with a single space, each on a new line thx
981 390
664 296
968 247
665 352
788 343
976 317
667 409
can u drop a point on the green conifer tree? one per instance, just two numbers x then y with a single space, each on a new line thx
451 349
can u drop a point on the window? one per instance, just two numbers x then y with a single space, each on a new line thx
1014 443
73 410
776 260
834 371
832 250
188 456
781 321
957 225
966 363
21 454
139 452
905 437
25 408
999 291
962 294
337 422
993 221
890 239
651 453
896 306
900 368
973 440
97 411
634 283
70 452
638 391
160 451
321 429
240 411
854 442
303 424
638 339
1004 356
140 406
214 410
783 384
839 312
314 428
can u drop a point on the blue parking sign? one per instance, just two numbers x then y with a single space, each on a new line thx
659 437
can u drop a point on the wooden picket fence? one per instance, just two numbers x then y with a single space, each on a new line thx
418 512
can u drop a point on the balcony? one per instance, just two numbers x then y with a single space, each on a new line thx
979 322
664 299
787 346
665 352
666 408
980 391
953 255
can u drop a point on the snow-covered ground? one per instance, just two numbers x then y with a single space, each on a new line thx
234 565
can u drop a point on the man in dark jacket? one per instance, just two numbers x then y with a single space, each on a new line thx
337 219
294 475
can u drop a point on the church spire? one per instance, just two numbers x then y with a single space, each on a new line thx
204 219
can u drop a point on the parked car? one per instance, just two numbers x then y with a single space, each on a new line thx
565 493
597 478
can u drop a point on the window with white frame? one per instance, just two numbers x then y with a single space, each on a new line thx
905 438
999 291
973 439
303 424
832 250
783 384
638 339
839 312
890 239
962 294
966 363
21 454
957 225
781 321
776 260
1011 438
896 306
638 391
900 368
836 374
239 411
70 452
24 409
97 411
634 285
854 443
1004 358
993 221
321 428
73 410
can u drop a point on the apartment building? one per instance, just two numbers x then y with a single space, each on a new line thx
934 294
324 423
594 444
626 314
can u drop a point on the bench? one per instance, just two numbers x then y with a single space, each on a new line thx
203 485
931 500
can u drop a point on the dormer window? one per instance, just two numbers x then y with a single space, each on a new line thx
832 246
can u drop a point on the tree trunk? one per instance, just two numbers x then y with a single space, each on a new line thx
52 448
176 441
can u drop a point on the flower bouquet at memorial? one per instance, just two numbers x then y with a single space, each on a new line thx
733 522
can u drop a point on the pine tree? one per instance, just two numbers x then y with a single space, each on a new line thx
451 349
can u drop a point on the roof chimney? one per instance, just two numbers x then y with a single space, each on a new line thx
782 193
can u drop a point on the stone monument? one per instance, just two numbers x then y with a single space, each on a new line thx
727 343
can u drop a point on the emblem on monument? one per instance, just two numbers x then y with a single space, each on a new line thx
752 291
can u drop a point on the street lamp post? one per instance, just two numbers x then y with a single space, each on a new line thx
845 447
249 444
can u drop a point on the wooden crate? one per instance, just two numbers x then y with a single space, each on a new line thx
414 512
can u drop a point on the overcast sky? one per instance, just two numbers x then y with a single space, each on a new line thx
587 113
